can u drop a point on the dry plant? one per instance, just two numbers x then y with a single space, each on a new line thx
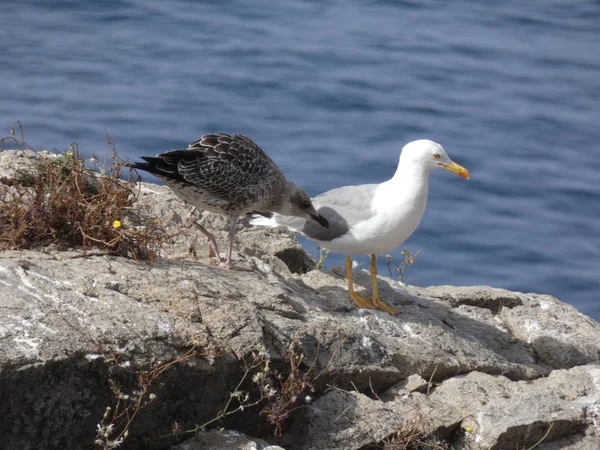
12 137
290 390
408 259
542 439
280 392
239 399
323 253
411 438
411 435
114 427
62 202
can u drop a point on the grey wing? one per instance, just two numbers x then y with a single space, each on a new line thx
227 167
343 208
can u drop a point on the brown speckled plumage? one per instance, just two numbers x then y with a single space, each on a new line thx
221 173
229 175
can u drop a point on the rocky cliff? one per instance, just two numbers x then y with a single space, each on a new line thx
98 350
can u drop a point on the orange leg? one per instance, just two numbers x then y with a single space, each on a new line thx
375 300
358 300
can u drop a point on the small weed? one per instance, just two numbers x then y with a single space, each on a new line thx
412 435
323 253
411 438
285 393
238 400
114 427
280 392
13 138
408 259
543 438
260 365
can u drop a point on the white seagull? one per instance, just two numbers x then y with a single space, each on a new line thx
373 218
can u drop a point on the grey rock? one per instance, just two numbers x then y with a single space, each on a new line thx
473 411
486 297
411 384
587 439
343 420
557 340
16 163
504 365
504 414
224 440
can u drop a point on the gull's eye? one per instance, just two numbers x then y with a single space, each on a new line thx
437 155
306 204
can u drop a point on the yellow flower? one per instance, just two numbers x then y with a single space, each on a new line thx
69 154
117 224
468 429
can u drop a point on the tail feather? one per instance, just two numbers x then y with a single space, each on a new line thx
148 166
275 220
158 168
266 214
264 221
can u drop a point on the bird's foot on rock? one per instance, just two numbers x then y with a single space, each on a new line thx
360 301
377 303
372 303
236 264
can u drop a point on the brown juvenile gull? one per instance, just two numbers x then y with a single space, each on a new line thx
232 176
373 218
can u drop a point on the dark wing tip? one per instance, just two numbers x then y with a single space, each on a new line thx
150 164
139 165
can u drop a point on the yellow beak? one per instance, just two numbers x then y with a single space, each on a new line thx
457 169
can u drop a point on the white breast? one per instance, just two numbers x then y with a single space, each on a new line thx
397 211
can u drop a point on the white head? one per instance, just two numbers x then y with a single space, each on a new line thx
430 155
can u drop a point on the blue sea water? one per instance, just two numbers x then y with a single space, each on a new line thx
332 90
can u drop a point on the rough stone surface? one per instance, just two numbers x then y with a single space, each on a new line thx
473 411
478 367
224 440
13 164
